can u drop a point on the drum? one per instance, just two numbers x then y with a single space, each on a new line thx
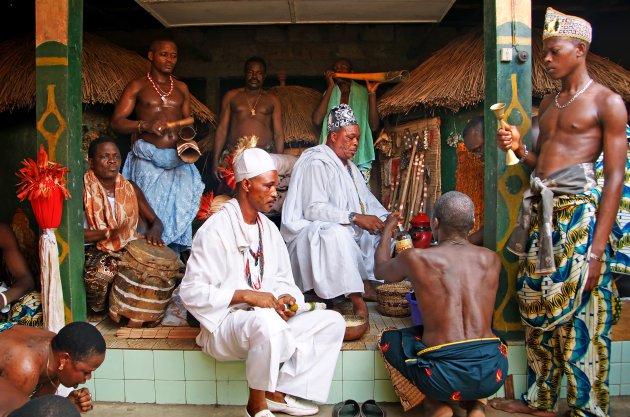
146 278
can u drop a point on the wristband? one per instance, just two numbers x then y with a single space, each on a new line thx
139 126
522 158
597 258
4 300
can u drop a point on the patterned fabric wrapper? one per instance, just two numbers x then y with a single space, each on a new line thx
100 271
99 215
621 229
547 301
26 311
573 180
459 371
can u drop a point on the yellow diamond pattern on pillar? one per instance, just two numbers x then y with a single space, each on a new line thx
51 110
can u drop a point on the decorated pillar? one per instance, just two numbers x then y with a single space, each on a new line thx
58 49
507 48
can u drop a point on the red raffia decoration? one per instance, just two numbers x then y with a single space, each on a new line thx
39 180
204 206
227 171
44 185
210 204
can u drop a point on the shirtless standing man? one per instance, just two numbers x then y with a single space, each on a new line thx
455 356
172 187
248 111
564 281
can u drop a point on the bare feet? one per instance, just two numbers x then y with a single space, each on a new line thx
256 402
518 406
359 308
369 293
434 408
475 408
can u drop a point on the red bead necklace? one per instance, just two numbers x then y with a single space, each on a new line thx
158 90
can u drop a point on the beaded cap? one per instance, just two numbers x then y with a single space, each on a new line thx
563 25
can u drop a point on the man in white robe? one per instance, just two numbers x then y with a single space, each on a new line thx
330 220
238 282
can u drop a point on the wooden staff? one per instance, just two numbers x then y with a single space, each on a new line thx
419 201
182 122
392 203
416 187
412 186
403 194
425 189
381 77
392 183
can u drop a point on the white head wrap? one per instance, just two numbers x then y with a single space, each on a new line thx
252 162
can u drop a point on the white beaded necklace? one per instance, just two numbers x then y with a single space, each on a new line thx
555 99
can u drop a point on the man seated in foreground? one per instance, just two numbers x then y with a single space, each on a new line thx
238 284
455 355
34 362
18 300
330 220
113 208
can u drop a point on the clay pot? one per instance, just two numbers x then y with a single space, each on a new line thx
356 326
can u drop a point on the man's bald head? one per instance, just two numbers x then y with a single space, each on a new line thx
155 44
455 211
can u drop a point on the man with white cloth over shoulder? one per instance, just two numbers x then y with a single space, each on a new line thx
330 220
237 283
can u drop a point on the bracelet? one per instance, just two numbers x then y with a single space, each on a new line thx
139 126
371 94
522 158
597 258
108 233
4 299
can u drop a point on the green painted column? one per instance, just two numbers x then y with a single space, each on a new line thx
507 31
58 49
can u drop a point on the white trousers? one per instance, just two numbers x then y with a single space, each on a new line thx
297 357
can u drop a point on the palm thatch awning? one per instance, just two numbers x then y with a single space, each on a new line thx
453 77
298 104
107 69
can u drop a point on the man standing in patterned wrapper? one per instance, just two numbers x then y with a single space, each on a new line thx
564 283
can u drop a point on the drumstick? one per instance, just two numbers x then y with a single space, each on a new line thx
182 122
403 194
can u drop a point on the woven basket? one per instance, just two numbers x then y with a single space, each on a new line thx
391 299
408 394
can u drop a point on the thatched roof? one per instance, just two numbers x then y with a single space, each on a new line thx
298 104
453 77
107 69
